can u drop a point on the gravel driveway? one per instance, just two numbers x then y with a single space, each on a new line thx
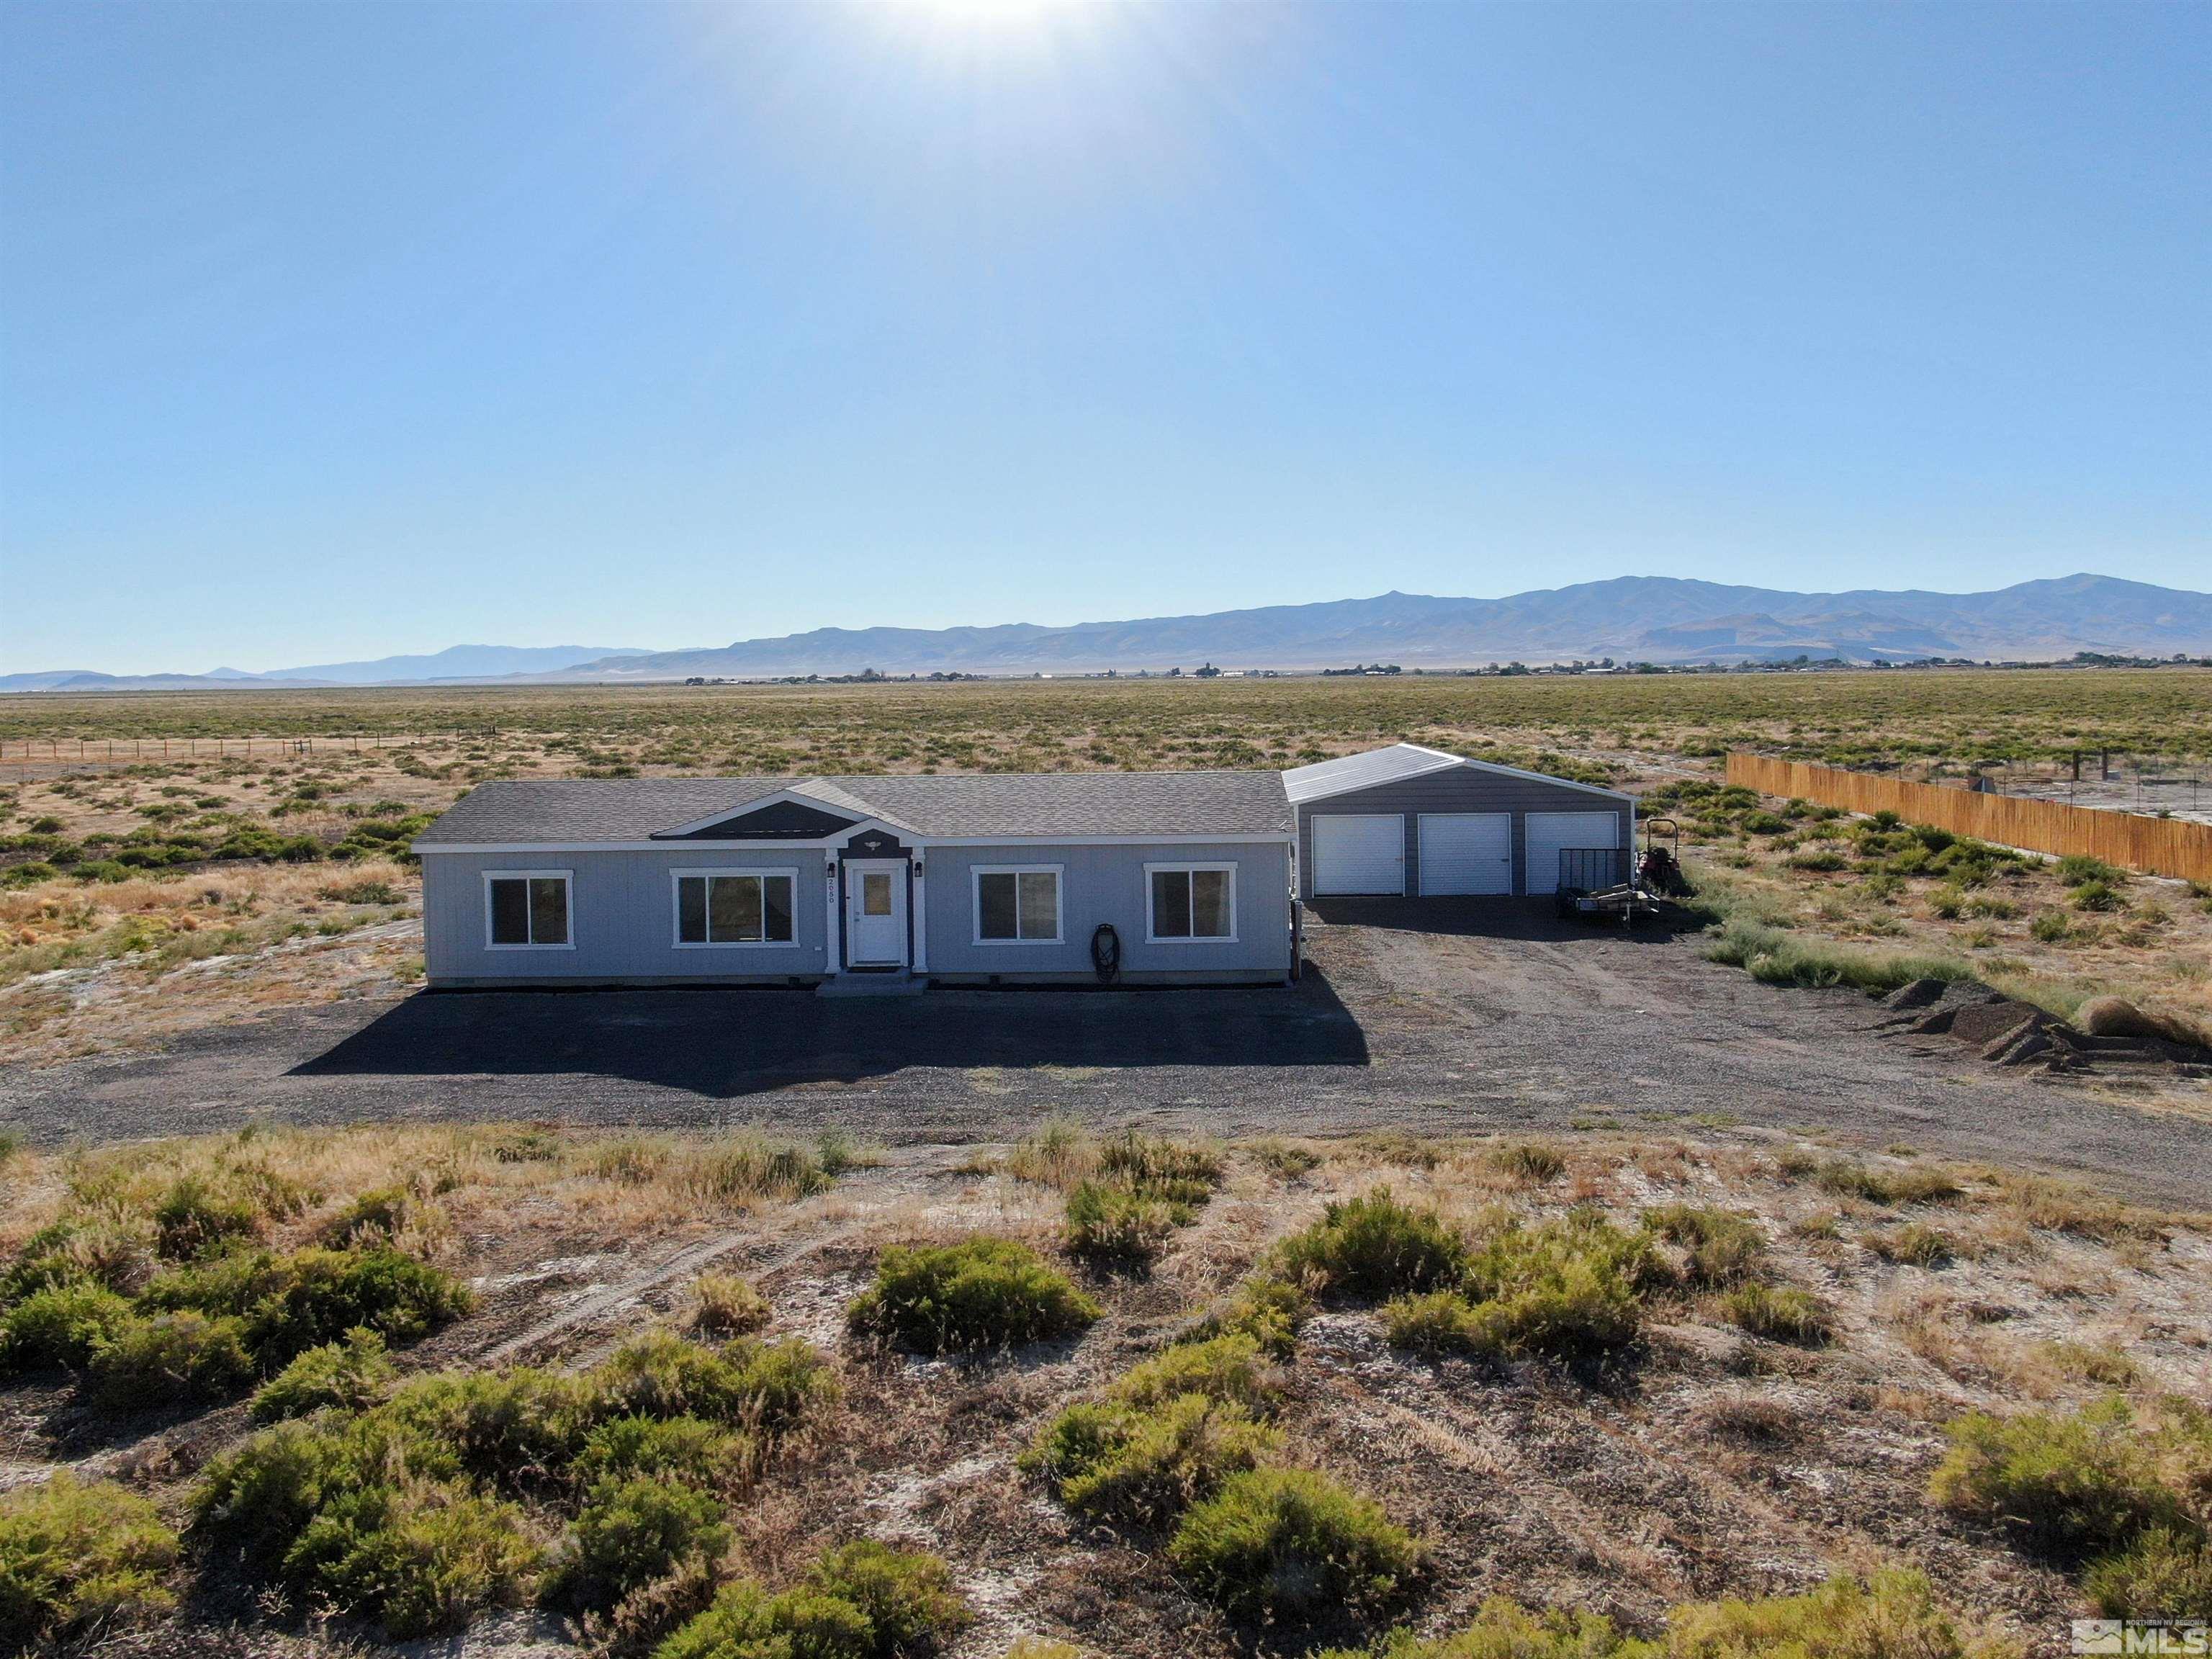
1439 1017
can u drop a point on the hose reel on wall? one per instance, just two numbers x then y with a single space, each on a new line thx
1106 953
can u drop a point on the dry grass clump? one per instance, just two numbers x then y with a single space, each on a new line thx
1143 1189
1751 1419
1720 1247
1058 1155
1780 1313
727 1305
1913 1245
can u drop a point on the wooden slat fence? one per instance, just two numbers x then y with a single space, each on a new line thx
2159 847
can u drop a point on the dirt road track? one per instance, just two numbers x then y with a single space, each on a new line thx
1431 1016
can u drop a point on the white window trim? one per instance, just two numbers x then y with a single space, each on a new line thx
1059 875
568 880
1151 934
676 909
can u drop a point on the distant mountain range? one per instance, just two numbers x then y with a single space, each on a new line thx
1659 619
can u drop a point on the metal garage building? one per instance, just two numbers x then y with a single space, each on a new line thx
1417 821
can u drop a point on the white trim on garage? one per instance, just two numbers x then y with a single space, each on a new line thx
1466 853
1358 852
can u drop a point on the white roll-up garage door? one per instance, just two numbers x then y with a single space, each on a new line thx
1548 832
1467 852
1358 852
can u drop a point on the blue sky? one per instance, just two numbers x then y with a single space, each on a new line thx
337 330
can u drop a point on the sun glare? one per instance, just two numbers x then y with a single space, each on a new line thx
983 12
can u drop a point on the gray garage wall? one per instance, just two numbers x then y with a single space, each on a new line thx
1108 885
622 918
1458 789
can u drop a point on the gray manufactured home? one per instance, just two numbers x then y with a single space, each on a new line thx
1182 877
1419 821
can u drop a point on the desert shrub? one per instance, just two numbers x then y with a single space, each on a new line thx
745 1171
419 1557
2077 868
194 1218
761 1387
728 1306
1234 1368
518 1429
1277 1542
258 1496
1780 1313
1529 1160
1287 1158
632 1531
354 1374
1895 1612
1155 1463
2097 895
61 1325
1773 956
1374 1246
1058 1154
1504 1629
1267 1308
371 1218
181 1357
76 1556
862 1601
980 1293
1116 1224
1821 860
2072 1485
2049 928
1723 1247
324 1294
2166 1573
688 1450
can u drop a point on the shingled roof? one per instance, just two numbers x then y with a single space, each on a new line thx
580 811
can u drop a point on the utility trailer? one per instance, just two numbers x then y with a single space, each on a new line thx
1593 887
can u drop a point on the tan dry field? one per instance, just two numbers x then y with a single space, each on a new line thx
1698 1462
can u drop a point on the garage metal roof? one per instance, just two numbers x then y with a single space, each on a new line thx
1400 760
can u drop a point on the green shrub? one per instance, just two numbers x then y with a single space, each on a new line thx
1267 1308
862 1601
632 1531
174 1358
1773 956
1779 1313
76 1556
420 1557
728 1306
2072 1485
1233 1368
194 1219
354 1374
761 1386
688 1450
324 1294
1504 1629
517 1429
2050 928
1116 1224
2166 1573
906 1595
980 1293
2076 869
258 1496
1158 1462
1276 1542
2098 895
1374 1246
61 1325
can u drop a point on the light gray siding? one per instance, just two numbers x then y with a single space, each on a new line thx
1109 884
621 919
1459 789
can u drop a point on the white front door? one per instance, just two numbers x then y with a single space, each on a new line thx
875 912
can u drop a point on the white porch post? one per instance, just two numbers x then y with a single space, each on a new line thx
833 961
921 964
